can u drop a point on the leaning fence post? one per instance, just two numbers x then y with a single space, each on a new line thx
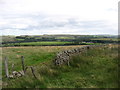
33 72
23 66
6 67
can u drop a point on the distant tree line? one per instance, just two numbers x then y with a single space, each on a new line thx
76 39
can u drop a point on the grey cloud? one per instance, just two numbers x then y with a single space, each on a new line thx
41 20
46 22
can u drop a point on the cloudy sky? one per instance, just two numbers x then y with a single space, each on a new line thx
36 17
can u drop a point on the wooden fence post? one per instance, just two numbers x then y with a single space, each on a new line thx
23 66
33 72
12 67
6 67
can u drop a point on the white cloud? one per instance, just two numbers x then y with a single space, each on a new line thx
36 16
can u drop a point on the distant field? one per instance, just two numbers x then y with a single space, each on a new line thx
38 43
48 43
109 39
38 38
65 38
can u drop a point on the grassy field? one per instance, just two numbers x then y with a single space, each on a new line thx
108 39
48 43
33 55
38 43
95 68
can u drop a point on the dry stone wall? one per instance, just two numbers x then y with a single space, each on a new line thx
64 56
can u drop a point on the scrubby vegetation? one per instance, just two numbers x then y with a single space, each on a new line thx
96 68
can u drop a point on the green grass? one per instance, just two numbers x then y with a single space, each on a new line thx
108 39
32 55
38 43
45 43
99 67
96 68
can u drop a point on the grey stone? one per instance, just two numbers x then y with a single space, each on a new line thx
11 76
14 73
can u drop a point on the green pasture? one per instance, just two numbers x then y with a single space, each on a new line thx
38 43
96 68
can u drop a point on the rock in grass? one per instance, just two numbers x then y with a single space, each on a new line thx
14 73
11 76
17 74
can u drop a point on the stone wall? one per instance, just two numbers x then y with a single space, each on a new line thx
64 56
